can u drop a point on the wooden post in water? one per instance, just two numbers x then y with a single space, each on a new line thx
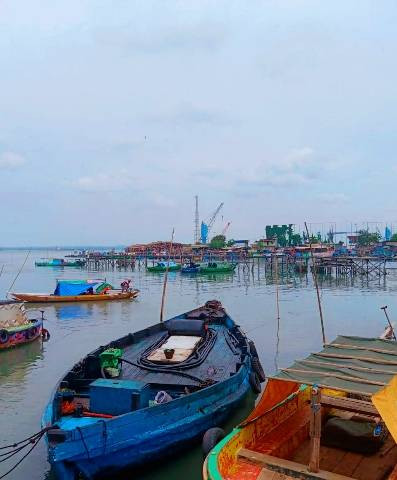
315 430
166 277
316 283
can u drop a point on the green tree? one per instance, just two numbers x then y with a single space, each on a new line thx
393 237
296 239
230 243
219 241
313 239
365 238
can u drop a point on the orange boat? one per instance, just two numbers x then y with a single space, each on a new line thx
78 291
331 416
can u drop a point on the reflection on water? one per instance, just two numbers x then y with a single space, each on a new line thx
73 310
28 374
15 362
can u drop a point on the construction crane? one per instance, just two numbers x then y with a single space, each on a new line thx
226 228
206 227
196 222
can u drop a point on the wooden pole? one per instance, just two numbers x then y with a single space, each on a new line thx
315 430
278 313
166 276
388 321
316 283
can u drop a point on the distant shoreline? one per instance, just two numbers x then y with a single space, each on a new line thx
63 248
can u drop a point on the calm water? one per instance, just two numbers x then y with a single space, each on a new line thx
27 374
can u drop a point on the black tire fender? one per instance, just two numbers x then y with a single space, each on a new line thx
4 336
255 383
45 334
258 369
253 351
211 438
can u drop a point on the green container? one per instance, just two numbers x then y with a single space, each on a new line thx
110 358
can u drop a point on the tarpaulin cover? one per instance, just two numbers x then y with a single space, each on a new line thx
356 365
353 364
385 402
75 287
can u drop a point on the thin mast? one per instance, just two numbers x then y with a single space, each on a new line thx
166 277
314 270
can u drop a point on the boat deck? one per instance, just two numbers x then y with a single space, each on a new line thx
335 464
219 365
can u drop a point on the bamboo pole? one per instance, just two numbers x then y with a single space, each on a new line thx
166 277
316 283
278 312
315 430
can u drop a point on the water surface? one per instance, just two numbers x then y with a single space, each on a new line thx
28 374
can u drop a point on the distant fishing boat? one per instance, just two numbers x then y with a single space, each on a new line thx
217 267
59 262
162 267
330 416
191 268
15 326
149 393
78 291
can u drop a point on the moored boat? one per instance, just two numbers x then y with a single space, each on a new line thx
59 262
330 416
78 291
217 267
148 393
191 268
15 326
163 266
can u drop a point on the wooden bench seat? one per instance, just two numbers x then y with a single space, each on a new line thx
286 467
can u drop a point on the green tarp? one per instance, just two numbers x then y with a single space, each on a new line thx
352 364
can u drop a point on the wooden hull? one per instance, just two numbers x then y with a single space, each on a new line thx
218 269
13 337
174 268
67 264
43 298
148 433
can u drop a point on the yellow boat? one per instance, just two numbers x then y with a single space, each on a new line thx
331 416
78 291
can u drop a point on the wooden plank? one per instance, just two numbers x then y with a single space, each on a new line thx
288 467
331 457
350 405
350 462
271 475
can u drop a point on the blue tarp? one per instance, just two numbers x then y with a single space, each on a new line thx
69 288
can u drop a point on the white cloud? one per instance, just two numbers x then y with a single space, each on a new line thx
104 182
11 160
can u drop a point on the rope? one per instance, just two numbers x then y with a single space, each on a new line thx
32 440
15 279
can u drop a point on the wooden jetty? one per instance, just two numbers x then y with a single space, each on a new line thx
351 266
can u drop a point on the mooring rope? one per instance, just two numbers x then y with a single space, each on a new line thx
17 447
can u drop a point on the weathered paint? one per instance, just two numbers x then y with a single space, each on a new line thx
107 445
223 462
23 334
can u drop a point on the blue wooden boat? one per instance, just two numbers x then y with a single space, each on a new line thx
191 268
149 393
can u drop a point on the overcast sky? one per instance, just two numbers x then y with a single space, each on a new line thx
114 114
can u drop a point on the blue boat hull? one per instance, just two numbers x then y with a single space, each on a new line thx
190 269
175 425
154 445
200 397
